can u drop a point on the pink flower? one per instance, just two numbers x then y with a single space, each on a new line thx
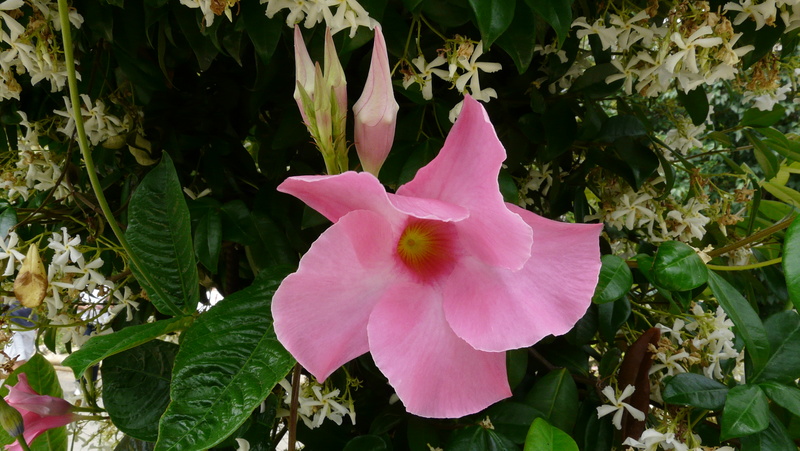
436 280
376 111
39 412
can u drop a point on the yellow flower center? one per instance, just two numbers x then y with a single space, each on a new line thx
425 247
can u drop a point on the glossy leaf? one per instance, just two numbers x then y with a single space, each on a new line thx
479 438
159 234
695 102
228 363
748 325
101 347
791 261
513 419
545 437
44 381
556 396
773 438
519 39
557 13
493 18
8 219
615 280
783 333
611 316
136 387
695 390
783 395
746 412
129 443
757 118
765 156
677 267
208 240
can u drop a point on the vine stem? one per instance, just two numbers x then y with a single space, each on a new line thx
22 443
294 406
83 143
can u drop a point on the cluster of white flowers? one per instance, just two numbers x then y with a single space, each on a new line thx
652 439
461 56
318 402
212 8
31 48
683 137
72 275
349 14
99 124
661 220
649 55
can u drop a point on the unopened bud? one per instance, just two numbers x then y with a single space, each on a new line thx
30 286
11 419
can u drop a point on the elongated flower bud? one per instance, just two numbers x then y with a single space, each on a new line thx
30 286
304 72
376 111
11 419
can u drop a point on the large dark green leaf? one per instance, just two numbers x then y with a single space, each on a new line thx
558 13
512 419
696 104
746 412
611 316
101 347
748 325
783 365
765 156
228 363
265 33
479 438
492 17
791 262
136 387
545 437
208 239
783 395
8 219
556 396
559 129
677 267
757 118
773 438
44 381
520 38
159 233
131 444
615 280
695 390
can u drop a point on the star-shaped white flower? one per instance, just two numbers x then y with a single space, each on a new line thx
618 407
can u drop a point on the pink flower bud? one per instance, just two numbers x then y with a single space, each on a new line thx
39 412
376 111
304 70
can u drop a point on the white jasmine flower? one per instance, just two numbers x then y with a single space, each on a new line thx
767 101
687 53
425 75
472 66
11 253
617 406
607 35
66 248
762 13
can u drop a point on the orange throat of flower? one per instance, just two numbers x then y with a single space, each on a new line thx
425 247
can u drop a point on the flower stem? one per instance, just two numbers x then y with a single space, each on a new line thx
22 443
774 261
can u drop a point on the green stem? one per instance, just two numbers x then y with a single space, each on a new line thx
83 143
22 443
774 261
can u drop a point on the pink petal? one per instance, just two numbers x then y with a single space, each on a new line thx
36 425
41 404
465 173
336 195
321 311
23 385
495 309
435 373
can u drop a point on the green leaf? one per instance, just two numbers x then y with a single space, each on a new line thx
757 118
516 366
478 438
366 443
621 126
136 387
44 381
264 33
8 219
784 193
677 267
696 104
512 419
746 412
544 437
557 13
695 390
748 325
773 438
560 129
228 363
101 347
615 280
556 396
766 158
159 234
593 81
791 261
520 38
493 18
783 395
783 333
208 239
611 316
131 444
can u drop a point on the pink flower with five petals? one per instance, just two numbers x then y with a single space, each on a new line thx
437 280
39 412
